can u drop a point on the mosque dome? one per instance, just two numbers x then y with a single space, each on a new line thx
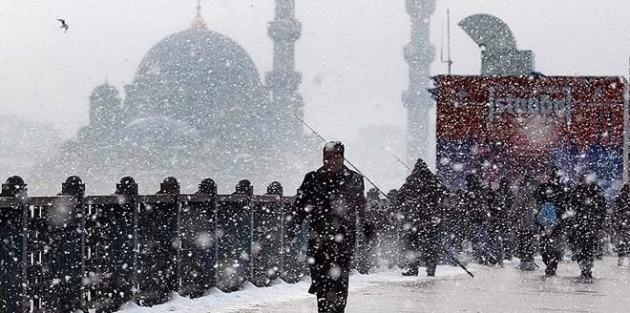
200 77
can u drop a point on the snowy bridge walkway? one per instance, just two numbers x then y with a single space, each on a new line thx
492 290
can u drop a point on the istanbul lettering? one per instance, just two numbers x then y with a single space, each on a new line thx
541 103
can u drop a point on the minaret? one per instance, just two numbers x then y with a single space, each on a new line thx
419 54
283 81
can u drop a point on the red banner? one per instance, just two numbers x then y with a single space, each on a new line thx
512 121
529 114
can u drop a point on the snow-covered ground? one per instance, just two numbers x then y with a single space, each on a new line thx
220 302
493 290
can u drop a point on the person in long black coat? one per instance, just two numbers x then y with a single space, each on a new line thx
499 222
366 250
556 193
476 210
421 199
621 223
524 222
589 205
332 199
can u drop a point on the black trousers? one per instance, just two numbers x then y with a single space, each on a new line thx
332 293
551 251
623 244
585 252
424 247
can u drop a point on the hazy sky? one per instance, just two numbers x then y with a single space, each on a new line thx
353 47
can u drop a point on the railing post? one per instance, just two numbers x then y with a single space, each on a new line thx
66 228
122 248
159 244
13 217
234 237
198 240
267 236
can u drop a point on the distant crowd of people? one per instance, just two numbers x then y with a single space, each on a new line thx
496 224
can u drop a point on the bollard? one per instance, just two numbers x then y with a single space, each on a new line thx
65 258
267 236
119 272
198 243
13 218
234 238
158 240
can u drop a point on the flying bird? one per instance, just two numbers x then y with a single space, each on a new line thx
63 25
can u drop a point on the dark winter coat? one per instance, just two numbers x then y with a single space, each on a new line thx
621 211
333 202
525 208
476 205
421 196
556 193
501 209
588 205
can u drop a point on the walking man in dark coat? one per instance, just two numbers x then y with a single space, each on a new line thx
332 199
589 204
500 210
366 250
476 202
555 193
525 209
421 199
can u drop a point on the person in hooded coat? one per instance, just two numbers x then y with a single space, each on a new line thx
621 223
332 198
498 223
388 239
589 205
556 193
476 203
524 223
421 199
366 250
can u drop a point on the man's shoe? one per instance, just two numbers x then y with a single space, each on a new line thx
586 277
410 273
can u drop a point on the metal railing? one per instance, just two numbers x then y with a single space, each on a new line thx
75 252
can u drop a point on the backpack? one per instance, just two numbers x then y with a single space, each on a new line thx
547 216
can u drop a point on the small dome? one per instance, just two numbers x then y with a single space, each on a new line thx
160 131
